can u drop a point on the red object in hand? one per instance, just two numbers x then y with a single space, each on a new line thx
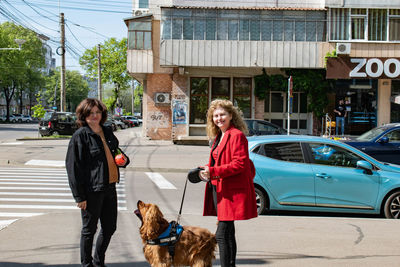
120 159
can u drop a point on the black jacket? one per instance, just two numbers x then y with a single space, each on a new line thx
86 161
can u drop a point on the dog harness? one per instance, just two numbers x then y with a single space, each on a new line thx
168 238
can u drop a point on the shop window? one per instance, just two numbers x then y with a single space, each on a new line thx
242 95
139 35
220 88
395 102
198 100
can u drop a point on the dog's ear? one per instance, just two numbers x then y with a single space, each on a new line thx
152 222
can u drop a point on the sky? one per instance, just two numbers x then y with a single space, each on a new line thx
88 22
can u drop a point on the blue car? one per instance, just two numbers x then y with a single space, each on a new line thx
309 173
382 143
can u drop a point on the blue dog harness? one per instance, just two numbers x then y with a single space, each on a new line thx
168 238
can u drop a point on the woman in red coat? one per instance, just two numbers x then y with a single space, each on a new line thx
230 191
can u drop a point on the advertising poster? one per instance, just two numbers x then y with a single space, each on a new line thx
179 112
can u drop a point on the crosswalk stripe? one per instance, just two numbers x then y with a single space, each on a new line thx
19 214
39 162
160 181
5 223
43 194
34 182
45 207
41 188
55 200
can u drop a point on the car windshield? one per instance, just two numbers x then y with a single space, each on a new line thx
371 134
47 116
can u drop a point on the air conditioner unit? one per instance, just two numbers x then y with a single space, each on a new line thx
140 12
343 48
162 98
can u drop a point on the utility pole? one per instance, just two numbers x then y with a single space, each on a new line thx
133 98
62 95
99 91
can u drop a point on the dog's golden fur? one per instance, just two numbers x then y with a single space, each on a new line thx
195 247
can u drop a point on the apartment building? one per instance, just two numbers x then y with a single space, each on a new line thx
187 53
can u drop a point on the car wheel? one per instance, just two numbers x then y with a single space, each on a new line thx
261 200
392 206
55 133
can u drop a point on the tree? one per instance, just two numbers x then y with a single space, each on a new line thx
113 66
76 88
15 65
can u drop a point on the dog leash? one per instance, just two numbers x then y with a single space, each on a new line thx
183 197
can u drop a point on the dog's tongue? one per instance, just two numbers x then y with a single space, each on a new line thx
137 212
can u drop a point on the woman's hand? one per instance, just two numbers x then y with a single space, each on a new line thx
205 174
82 205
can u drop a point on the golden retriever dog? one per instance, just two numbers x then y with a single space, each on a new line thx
195 247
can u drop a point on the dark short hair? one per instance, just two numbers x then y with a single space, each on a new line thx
84 108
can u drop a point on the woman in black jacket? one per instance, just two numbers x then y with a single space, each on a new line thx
92 175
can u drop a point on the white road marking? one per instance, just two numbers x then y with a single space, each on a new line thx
44 207
160 181
19 214
5 223
43 194
39 162
12 143
41 188
55 200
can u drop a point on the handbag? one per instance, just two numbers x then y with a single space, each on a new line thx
121 159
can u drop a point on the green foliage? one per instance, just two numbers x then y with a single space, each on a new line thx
110 104
113 65
38 111
312 82
328 55
261 85
18 66
76 88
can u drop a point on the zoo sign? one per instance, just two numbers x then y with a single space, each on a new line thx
363 68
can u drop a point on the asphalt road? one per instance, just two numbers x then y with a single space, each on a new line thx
281 239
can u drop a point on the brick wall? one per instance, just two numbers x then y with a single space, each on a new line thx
259 109
158 119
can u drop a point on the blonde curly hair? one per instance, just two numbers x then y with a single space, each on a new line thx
237 120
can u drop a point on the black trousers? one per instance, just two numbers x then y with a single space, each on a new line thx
225 236
100 205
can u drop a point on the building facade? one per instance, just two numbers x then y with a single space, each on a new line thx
187 53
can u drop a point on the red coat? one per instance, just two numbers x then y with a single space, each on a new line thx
233 174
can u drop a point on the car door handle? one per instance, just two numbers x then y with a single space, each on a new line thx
323 176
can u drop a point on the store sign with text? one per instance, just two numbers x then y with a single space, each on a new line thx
362 68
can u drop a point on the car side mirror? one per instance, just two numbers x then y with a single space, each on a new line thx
365 165
384 140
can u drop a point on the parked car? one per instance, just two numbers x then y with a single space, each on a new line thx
18 117
110 122
261 127
3 118
57 123
26 118
382 143
309 173
132 119
127 123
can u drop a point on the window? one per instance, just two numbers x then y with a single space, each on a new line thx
377 24
255 25
365 24
358 18
283 151
331 155
143 3
242 95
394 24
221 88
393 136
198 100
139 35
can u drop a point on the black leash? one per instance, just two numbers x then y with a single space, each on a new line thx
183 197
